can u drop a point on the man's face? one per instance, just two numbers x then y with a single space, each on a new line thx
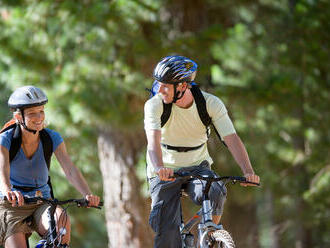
166 91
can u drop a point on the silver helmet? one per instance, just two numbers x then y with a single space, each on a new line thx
27 96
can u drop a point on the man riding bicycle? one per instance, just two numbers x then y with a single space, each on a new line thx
177 140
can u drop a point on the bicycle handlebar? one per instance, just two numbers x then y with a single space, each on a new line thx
79 202
226 179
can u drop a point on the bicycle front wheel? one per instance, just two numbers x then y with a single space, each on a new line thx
222 239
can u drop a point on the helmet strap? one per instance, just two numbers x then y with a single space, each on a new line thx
177 94
24 125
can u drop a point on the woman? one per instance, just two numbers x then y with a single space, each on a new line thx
26 173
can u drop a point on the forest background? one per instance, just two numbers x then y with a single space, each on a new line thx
267 60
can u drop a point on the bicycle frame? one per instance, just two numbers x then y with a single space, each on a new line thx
204 218
204 215
53 238
52 227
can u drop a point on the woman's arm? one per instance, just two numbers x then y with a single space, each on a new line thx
74 175
4 169
5 186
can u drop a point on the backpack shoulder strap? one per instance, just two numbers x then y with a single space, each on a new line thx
16 141
47 145
10 124
202 110
201 105
167 109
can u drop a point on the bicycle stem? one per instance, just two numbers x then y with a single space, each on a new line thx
206 211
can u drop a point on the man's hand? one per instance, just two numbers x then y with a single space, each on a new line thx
165 174
251 178
93 200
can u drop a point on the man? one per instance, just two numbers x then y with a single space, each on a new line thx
177 141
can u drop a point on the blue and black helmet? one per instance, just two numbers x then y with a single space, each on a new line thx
175 69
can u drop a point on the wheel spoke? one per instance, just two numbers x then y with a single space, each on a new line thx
222 239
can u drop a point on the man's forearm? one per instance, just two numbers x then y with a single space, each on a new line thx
238 151
154 148
155 156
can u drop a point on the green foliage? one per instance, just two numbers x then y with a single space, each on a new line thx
267 60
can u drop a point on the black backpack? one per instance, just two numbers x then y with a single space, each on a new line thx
16 142
200 104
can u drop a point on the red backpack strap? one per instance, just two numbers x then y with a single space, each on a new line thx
10 124
16 139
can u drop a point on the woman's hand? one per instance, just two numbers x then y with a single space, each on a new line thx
93 200
15 198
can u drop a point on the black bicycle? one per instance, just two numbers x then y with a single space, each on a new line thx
210 235
53 238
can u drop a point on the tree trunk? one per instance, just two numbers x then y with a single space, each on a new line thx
303 231
126 210
269 231
241 222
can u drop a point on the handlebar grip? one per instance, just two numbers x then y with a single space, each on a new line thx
257 184
85 204
243 180
27 200
240 179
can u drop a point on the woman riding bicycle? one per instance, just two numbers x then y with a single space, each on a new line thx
25 172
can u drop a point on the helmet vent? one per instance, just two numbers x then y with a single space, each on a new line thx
175 69
35 93
29 96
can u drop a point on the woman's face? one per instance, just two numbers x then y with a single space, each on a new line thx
34 117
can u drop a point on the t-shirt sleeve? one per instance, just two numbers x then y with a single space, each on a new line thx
152 114
56 138
5 139
219 114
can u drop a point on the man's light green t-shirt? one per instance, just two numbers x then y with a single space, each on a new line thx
185 128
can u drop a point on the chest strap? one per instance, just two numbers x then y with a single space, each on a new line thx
181 148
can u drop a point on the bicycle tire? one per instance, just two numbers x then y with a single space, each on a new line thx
222 239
